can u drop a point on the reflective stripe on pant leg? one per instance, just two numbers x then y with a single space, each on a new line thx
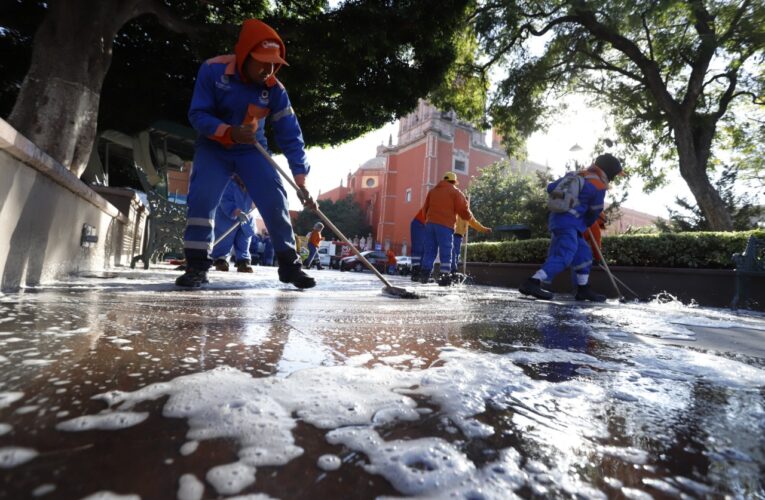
445 244
563 248
267 191
430 247
209 177
582 261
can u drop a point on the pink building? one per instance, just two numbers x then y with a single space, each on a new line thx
391 187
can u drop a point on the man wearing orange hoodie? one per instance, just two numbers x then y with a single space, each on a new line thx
442 206
233 95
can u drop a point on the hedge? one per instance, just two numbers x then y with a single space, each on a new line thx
709 250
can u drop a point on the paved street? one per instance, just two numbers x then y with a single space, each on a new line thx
123 385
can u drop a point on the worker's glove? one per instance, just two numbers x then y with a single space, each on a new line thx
243 219
306 198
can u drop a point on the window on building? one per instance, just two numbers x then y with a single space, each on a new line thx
370 182
408 196
460 166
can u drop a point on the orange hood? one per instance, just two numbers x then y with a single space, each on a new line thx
253 32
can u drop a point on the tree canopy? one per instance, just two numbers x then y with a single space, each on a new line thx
352 68
667 71
501 196
346 214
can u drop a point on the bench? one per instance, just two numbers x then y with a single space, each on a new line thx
748 264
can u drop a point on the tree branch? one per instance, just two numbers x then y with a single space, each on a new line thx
612 67
734 23
647 36
704 25
648 67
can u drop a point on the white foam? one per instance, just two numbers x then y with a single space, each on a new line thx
631 455
329 462
232 478
189 447
107 421
110 495
5 428
190 488
413 467
8 398
43 489
11 456
359 359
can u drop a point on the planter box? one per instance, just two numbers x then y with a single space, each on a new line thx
707 287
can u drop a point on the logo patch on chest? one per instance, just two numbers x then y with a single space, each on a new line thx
223 83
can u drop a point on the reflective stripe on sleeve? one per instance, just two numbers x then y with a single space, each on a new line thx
281 114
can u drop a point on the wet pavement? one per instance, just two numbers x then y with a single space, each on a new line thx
124 386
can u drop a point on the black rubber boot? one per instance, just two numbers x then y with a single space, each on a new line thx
243 266
415 273
584 292
424 277
192 278
534 288
291 270
444 279
221 265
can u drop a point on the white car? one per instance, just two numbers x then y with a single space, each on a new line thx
403 264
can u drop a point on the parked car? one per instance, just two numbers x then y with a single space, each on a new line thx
375 257
404 265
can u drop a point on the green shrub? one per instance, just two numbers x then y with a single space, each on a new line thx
710 250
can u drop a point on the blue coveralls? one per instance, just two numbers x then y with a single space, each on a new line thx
438 240
254 245
417 234
456 247
221 98
268 252
233 197
567 244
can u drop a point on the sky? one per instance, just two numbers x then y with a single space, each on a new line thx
579 125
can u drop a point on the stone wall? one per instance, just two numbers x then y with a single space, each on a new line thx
43 209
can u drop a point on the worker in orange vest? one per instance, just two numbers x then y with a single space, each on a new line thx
314 238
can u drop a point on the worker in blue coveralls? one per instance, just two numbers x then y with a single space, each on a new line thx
232 97
233 208
567 245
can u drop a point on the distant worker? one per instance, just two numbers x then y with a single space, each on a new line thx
314 239
233 208
576 202
391 260
442 206
417 235
460 230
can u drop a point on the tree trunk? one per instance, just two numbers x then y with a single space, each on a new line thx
59 113
693 154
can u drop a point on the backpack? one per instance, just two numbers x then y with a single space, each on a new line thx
565 196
